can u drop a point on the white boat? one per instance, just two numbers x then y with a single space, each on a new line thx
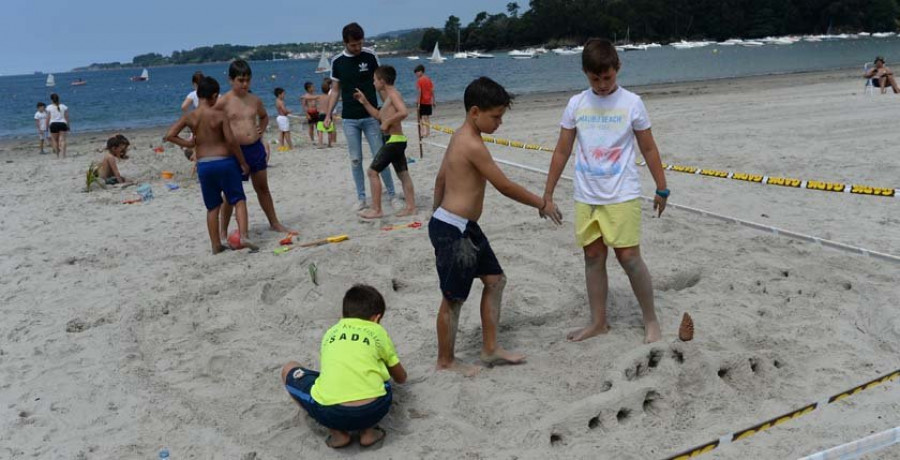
683 45
51 81
541 50
654 45
412 58
883 34
324 65
530 53
461 55
436 57
731 42
144 76
752 43
477 55
564 51
633 47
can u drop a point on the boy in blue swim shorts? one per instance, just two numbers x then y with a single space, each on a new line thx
461 250
352 391
219 162
248 120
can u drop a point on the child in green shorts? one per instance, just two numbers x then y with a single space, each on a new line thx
351 392
608 120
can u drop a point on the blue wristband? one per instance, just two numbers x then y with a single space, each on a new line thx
664 193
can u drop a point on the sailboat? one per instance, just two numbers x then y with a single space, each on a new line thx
324 66
436 57
145 75
50 80
459 54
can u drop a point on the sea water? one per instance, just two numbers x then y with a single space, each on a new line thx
110 100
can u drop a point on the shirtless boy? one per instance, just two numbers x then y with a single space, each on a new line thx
461 250
393 152
284 123
310 103
108 169
248 119
220 161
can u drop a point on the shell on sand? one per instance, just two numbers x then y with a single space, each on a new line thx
686 330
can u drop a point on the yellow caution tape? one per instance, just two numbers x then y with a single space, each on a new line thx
760 427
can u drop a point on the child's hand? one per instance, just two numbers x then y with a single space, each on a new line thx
245 168
327 121
659 204
551 211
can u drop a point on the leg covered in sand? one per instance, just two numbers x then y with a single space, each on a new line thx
447 327
491 299
642 285
597 288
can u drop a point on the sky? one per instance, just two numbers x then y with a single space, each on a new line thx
57 35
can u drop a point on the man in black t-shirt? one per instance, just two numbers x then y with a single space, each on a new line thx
352 69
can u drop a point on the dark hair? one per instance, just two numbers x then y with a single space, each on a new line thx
122 139
362 301
879 58
599 55
117 141
41 104
195 79
207 87
326 84
308 85
419 68
239 68
386 73
353 31
278 91
54 98
486 94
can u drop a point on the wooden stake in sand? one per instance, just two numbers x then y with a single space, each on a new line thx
686 330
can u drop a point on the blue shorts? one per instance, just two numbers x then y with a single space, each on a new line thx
461 257
336 417
218 177
255 156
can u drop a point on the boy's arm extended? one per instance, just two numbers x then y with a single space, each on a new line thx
332 101
654 164
439 187
398 373
561 155
481 158
361 97
234 147
263 117
175 130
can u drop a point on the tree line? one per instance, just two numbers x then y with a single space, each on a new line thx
573 21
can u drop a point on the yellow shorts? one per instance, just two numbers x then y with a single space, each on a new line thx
618 224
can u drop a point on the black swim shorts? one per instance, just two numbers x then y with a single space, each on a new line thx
461 257
391 153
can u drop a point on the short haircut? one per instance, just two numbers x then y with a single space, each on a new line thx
486 94
419 68
353 32
326 84
207 87
387 74
599 55
879 58
113 142
122 139
362 301
278 91
41 104
195 79
239 68
308 85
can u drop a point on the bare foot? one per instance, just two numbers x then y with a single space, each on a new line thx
371 436
652 332
467 370
370 214
337 439
406 212
282 229
585 333
501 357
247 243
220 249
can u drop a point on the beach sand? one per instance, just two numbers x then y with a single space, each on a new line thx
121 334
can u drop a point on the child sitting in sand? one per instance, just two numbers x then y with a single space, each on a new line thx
393 152
220 162
607 121
310 104
461 250
352 391
108 169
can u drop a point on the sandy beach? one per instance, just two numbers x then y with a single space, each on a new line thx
122 334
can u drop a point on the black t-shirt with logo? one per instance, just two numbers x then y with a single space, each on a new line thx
355 72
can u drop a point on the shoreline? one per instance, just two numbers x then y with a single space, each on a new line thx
713 85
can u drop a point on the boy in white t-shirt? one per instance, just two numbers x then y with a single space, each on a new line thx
40 122
607 121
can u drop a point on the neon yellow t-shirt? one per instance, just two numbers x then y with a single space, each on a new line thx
354 359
